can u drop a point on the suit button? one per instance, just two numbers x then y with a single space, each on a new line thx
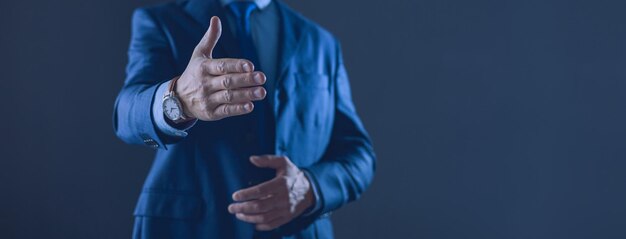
151 143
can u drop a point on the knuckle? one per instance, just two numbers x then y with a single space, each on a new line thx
205 106
227 82
221 67
212 116
200 70
225 110
204 66
227 96
208 115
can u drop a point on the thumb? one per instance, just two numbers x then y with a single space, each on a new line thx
206 45
270 161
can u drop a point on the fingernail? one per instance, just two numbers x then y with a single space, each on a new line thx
247 106
258 78
247 67
258 93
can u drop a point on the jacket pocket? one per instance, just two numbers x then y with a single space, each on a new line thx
169 205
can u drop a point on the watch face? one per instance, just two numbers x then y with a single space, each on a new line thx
171 109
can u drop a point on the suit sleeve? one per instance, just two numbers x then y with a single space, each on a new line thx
150 63
348 165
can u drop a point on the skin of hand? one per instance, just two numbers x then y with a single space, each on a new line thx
275 202
213 89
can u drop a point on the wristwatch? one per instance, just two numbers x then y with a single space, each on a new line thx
172 107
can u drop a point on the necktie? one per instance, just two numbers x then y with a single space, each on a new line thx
262 110
242 11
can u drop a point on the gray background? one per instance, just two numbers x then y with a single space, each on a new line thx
491 119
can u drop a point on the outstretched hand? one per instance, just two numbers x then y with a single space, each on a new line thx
213 89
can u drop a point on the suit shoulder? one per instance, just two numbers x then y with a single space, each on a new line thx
313 29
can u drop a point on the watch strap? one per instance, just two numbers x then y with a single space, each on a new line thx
171 92
172 87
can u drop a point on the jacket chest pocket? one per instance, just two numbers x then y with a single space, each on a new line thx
308 108
311 97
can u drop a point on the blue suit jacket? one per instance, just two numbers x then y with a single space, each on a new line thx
188 189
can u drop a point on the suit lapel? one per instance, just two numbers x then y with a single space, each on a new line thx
202 11
290 34
289 39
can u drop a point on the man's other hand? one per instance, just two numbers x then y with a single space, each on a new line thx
213 89
277 201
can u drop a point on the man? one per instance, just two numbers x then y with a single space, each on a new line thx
253 122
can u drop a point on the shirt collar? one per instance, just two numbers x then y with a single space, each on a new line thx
259 3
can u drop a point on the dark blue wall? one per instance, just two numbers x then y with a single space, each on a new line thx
491 119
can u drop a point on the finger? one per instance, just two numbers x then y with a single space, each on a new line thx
238 96
273 224
209 40
258 206
228 110
238 80
262 190
270 161
258 218
224 66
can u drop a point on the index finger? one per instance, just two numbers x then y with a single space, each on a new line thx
224 66
260 191
238 80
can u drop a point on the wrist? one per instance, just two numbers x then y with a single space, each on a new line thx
180 89
309 196
183 116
